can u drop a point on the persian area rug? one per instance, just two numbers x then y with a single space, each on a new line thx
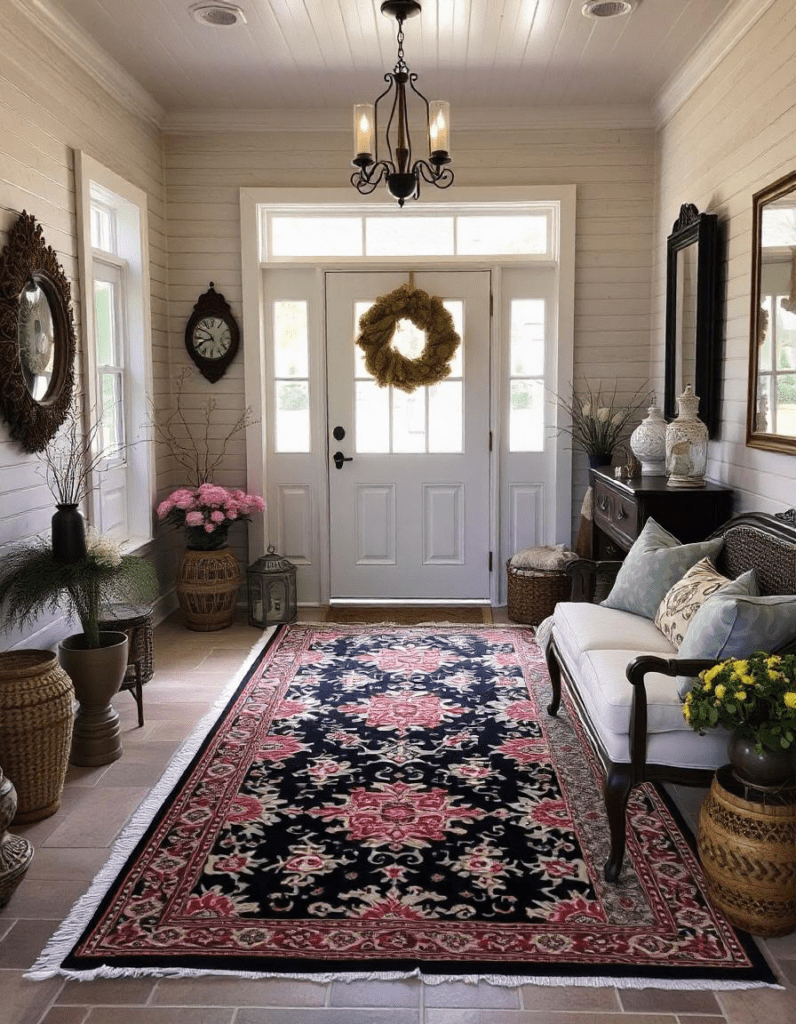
408 615
395 801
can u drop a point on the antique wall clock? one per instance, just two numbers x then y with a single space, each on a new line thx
212 335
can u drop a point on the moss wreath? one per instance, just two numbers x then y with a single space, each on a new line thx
376 330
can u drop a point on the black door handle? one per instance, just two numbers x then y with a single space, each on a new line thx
339 459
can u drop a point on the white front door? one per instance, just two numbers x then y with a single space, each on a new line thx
409 513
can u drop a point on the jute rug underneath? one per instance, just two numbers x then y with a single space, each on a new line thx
409 615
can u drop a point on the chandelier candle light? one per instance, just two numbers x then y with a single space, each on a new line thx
401 173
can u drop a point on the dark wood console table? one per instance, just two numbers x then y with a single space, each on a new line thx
621 507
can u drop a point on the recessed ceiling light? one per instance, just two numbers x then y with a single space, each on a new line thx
608 8
218 15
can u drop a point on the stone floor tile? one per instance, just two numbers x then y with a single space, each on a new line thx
239 992
110 991
788 969
98 821
23 1001
78 775
401 992
65 1015
38 832
328 1015
45 898
23 943
663 1000
132 773
758 1006
569 997
462 1015
456 993
784 946
161 1015
688 1018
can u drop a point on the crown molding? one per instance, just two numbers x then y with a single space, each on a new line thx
91 58
732 27
188 122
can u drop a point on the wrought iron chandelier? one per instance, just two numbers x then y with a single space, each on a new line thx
401 173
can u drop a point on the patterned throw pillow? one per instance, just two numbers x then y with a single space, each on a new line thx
655 562
685 598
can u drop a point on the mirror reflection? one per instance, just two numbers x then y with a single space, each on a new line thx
775 329
36 340
685 326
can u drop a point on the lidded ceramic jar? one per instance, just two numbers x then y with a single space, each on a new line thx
648 442
686 444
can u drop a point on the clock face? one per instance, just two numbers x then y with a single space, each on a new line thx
211 337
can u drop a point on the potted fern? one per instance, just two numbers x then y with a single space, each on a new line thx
33 581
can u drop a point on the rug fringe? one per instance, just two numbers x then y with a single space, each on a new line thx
48 963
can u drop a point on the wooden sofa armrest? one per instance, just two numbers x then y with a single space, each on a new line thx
591 581
636 671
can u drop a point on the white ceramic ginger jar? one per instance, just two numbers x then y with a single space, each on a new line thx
648 442
686 444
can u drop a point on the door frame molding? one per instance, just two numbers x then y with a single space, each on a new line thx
251 199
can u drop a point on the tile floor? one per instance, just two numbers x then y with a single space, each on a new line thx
72 845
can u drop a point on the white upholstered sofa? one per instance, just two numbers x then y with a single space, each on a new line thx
620 670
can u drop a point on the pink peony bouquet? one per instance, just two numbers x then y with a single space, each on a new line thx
207 512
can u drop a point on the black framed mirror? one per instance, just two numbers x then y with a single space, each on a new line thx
771 404
37 337
692 315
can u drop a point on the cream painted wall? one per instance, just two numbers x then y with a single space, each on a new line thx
613 171
733 136
48 108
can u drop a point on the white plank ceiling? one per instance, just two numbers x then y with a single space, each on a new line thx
328 54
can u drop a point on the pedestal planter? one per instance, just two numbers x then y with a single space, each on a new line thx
97 674
36 714
15 851
207 588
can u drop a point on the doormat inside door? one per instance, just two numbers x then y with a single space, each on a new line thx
395 801
409 615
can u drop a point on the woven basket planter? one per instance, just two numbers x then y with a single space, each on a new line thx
36 715
534 593
207 588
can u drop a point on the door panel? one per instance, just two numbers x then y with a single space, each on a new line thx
410 512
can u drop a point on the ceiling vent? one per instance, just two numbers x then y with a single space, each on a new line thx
608 8
218 15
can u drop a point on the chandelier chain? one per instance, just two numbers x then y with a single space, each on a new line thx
401 65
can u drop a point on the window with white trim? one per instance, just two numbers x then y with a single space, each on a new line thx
117 348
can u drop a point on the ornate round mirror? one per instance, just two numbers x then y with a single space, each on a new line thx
37 337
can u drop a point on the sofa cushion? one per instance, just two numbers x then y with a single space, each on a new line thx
580 626
678 608
607 695
654 563
735 623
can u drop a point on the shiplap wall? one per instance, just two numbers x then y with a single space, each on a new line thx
613 171
733 136
48 108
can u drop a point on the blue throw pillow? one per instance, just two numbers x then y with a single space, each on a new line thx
736 622
653 565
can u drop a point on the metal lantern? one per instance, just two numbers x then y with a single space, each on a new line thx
272 590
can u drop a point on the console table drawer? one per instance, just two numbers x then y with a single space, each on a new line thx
615 514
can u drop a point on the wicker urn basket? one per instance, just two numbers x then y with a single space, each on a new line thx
748 853
36 716
207 588
534 593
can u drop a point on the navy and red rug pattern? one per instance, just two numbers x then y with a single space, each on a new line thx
382 799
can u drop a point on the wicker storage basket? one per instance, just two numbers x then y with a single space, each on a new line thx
207 588
36 715
534 593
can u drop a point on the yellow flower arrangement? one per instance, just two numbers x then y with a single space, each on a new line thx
754 696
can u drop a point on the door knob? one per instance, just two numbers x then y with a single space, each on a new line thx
339 459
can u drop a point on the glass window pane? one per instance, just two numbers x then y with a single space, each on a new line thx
765 330
526 416
445 417
360 308
527 337
409 421
372 417
104 324
290 339
786 336
409 236
292 416
316 236
102 228
112 433
456 309
408 339
510 234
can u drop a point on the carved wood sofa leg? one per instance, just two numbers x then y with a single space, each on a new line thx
555 678
618 784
